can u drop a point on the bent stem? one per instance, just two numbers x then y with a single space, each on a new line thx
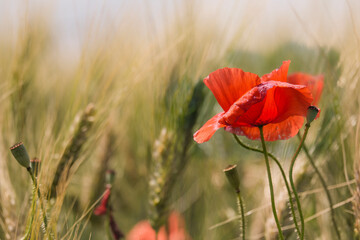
270 184
284 178
36 186
323 183
307 126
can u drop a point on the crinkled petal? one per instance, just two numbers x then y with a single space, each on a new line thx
269 102
291 101
209 128
314 83
273 131
229 84
278 74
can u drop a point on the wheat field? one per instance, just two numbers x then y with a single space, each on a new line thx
93 86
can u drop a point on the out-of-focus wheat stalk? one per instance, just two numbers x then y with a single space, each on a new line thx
73 148
170 157
97 179
29 50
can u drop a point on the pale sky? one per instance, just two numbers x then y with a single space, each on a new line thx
264 20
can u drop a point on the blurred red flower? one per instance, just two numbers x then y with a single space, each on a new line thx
249 101
144 231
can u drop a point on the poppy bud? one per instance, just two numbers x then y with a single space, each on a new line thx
233 176
35 165
312 112
20 154
109 176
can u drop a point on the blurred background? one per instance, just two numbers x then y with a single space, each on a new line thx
89 86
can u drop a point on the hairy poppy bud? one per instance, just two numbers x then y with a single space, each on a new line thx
109 177
20 154
233 176
312 112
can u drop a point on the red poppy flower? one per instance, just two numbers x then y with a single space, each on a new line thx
249 101
103 206
144 231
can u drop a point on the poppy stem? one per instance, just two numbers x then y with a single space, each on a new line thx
283 175
242 211
323 183
307 126
270 184
36 186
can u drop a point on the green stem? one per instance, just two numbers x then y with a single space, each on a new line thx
323 183
242 213
36 186
270 184
307 126
283 175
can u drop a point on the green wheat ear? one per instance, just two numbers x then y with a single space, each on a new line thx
170 157
73 148
161 181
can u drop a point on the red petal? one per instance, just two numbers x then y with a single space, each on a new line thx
292 100
314 83
177 227
269 102
278 74
246 109
229 84
175 222
102 208
272 132
144 231
209 128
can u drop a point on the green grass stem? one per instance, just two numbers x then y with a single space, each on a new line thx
323 183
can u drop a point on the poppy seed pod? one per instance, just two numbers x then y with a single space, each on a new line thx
311 114
20 154
233 176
